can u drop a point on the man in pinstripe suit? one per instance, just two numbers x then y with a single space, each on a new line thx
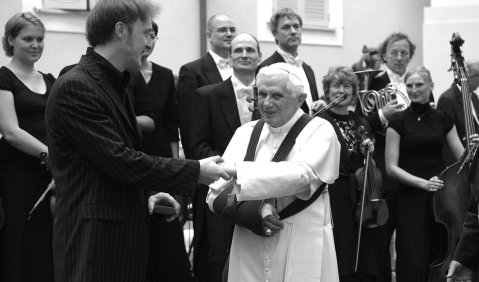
100 221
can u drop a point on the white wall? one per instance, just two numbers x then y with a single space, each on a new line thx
365 22
65 37
440 21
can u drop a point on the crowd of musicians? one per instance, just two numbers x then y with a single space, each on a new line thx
287 182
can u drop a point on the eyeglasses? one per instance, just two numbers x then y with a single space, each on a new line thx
226 29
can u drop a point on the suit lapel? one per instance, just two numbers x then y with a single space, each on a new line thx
227 101
210 70
104 84
311 80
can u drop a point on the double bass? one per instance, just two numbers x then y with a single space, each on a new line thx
450 204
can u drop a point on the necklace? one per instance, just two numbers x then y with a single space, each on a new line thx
420 116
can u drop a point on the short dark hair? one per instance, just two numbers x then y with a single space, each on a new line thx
107 13
257 42
396 36
284 12
13 27
342 74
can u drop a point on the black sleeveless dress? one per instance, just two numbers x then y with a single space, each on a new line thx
25 246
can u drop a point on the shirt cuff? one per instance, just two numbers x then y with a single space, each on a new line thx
382 118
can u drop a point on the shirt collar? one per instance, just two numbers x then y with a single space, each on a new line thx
216 57
287 126
237 84
112 73
285 54
394 77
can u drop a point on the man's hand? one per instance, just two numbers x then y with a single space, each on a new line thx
271 223
210 171
391 108
458 273
164 199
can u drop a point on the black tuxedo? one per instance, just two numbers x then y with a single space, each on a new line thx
100 221
216 119
192 76
450 102
277 58
467 251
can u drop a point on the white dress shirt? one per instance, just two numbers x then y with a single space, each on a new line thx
241 102
226 71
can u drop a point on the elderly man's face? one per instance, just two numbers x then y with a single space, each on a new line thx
221 33
244 54
276 105
398 56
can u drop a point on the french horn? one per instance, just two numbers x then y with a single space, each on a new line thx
372 100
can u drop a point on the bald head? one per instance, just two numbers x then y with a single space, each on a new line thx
245 55
220 31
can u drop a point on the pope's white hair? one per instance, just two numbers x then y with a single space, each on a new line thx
285 71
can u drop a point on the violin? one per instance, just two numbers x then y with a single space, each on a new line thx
371 211
254 108
450 203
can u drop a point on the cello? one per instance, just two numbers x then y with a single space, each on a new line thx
450 204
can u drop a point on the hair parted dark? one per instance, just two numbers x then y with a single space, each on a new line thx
396 36
341 75
107 13
284 12
13 27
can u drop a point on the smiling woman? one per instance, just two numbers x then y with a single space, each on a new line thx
25 245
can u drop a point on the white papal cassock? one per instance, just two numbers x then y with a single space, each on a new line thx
304 250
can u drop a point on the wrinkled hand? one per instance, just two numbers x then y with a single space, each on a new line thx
434 184
271 223
166 200
367 146
210 171
458 273
391 108
317 105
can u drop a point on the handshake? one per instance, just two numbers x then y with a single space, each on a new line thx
211 169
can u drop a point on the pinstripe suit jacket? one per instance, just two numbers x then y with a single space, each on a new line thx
100 222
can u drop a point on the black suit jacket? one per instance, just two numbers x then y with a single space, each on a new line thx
100 221
451 103
277 58
467 251
216 119
193 76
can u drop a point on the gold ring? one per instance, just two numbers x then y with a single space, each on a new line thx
268 232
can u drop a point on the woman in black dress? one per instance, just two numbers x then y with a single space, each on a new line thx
414 142
169 258
26 245
344 194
